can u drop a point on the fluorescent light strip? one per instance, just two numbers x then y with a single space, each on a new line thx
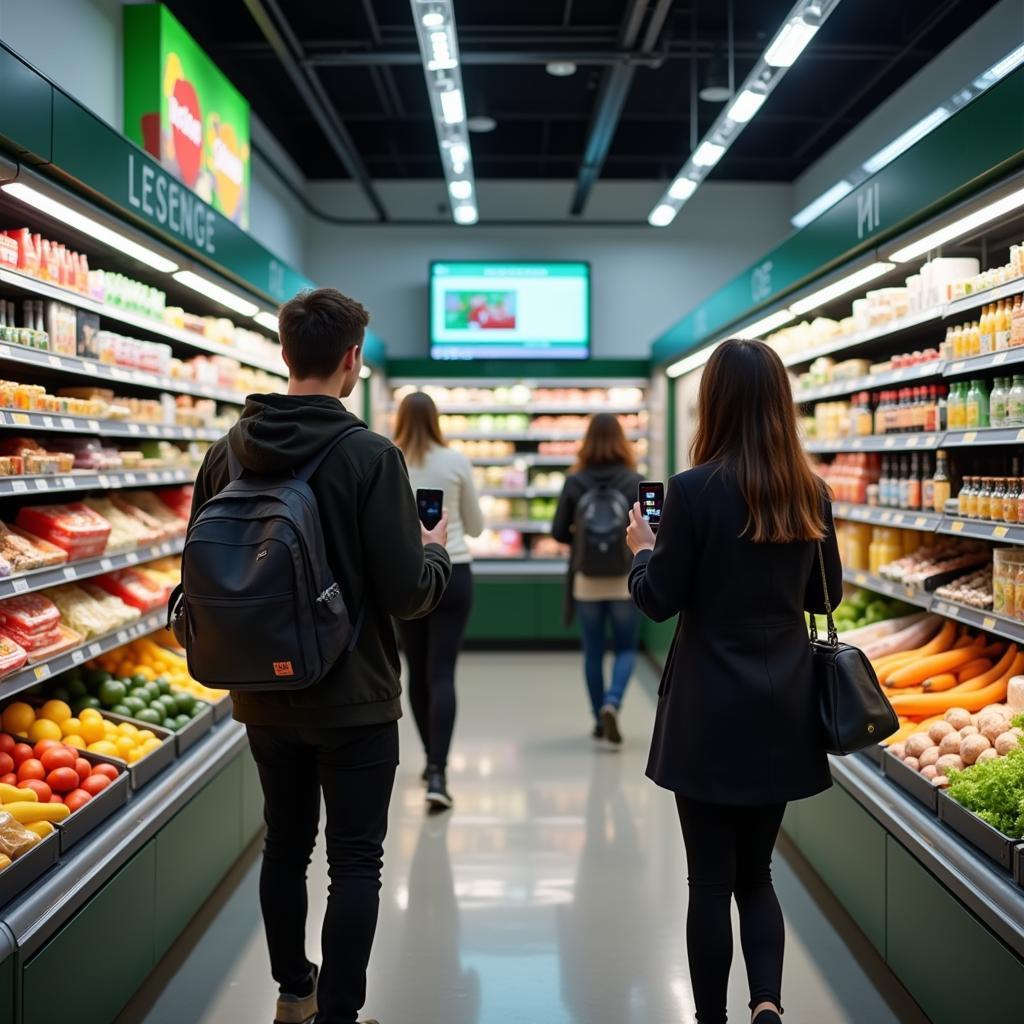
903 142
267 320
838 288
452 107
746 105
707 154
828 199
693 361
764 326
1000 69
661 215
214 291
965 224
789 43
682 188
93 228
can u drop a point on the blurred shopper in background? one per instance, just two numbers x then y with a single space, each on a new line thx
737 557
432 643
592 515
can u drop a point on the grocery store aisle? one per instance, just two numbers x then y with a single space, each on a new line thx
555 894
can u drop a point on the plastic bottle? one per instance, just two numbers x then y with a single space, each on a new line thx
959 346
995 505
998 402
927 483
1002 331
955 409
940 483
1011 500
1017 322
977 405
986 334
974 339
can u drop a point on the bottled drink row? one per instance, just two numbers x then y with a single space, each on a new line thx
1000 327
912 483
970 404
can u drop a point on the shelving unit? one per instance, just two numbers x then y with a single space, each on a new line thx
54 423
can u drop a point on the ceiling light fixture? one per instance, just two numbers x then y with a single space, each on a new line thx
88 226
903 142
800 26
268 320
693 361
960 227
1000 69
214 291
764 326
365 372
839 288
560 68
814 209
481 124
439 51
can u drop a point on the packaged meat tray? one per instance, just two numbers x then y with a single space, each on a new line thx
124 525
124 614
12 656
178 500
75 528
46 645
152 511
25 553
134 588
89 614
29 613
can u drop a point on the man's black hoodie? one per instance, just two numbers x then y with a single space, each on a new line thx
372 534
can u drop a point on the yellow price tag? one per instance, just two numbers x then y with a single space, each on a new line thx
970 436
988 622
1000 531
958 526
41 671
861 579
898 518
21 419
920 522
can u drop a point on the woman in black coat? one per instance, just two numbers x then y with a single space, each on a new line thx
737 733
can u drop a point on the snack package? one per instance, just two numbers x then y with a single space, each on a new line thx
23 552
122 614
134 588
178 500
12 656
151 512
15 839
124 523
75 528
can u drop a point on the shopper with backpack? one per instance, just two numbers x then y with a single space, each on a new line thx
304 542
593 512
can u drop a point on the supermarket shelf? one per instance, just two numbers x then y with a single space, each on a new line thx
532 409
520 525
880 443
986 892
848 341
867 580
90 481
923 371
989 361
523 459
103 428
31 286
982 529
78 366
69 572
29 676
531 435
927 521
484 566
43 909
989 621
979 299
983 436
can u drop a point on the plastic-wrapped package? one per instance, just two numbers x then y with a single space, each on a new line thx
137 589
15 839
29 613
12 656
151 512
41 646
123 614
178 500
75 528
89 616
124 525
24 553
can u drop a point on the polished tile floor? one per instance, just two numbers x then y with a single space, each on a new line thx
554 894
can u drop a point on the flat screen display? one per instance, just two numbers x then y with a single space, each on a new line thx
510 310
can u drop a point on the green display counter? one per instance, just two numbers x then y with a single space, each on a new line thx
524 606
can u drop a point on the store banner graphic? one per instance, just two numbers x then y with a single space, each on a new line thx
181 108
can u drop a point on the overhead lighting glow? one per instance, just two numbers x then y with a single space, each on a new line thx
903 142
214 291
839 288
452 107
465 213
959 227
432 19
442 53
1001 69
662 215
789 43
460 189
828 199
682 188
365 372
267 320
93 228
746 105
765 326
693 361
707 154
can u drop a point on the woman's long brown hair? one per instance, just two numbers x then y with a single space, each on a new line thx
747 423
605 444
418 427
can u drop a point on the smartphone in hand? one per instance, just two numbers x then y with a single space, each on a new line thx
651 495
430 505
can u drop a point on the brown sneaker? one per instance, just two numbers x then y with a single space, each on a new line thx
297 1009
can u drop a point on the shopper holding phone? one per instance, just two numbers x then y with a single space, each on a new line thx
591 516
432 643
738 731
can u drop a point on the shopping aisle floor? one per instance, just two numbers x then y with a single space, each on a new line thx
554 894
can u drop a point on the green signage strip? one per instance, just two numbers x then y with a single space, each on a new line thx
974 147
52 131
182 110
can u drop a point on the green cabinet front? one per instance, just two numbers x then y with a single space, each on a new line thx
93 965
519 610
7 1005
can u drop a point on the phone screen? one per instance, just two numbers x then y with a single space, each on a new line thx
430 504
652 497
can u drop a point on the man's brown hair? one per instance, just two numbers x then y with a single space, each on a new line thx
317 328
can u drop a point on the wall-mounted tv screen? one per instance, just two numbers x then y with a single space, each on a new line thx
509 310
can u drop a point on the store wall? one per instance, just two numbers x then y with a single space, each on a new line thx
644 279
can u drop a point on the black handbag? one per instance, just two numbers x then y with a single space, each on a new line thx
855 713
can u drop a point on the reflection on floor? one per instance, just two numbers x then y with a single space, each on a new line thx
555 893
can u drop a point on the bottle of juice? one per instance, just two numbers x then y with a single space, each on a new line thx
995 505
1017 322
974 339
998 402
947 350
973 490
983 505
1003 326
1011 500
963 498
941 486
986 336
956 413
1015 402
959 344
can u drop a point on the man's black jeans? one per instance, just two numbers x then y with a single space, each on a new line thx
354 767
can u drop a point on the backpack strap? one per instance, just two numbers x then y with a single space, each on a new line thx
304 473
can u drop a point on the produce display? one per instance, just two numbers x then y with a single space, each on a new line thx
150 661
860 609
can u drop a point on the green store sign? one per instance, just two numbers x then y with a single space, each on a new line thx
182 110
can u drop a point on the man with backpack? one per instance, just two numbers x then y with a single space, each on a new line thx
304 542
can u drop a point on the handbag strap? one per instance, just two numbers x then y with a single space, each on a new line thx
833 633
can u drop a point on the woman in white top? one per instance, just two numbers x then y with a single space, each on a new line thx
432 643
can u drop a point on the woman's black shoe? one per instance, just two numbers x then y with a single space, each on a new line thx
598 732
438 796
767 1017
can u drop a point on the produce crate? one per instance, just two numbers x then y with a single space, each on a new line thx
980 834
77 826
222 709
152 764
25 870
188 736
911 782
874 754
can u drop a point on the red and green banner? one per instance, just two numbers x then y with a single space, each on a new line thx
181 108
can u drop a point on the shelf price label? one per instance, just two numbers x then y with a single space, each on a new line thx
94 425
134 428
999 358
152 431
42 484
21 419
77 656
898 518
92 369
970 437
48 422
920 522
56 362
890 442
988 622
70 573
1000 531
19 486
41 672
19 585
131 558
106 564
958 526
67 424
95 650
861 579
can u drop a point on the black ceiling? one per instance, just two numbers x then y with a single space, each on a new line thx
362 57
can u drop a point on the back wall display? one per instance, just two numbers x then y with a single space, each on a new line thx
181 108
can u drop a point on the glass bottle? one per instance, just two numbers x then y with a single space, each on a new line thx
986 335
904 484
1015 402
1011 500
914 485
995 505
984 510
927 484
998 402
942 408
977 405
963 498
973 489
955 413
941 486
1002 326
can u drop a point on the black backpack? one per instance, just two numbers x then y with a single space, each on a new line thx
258 608
599 548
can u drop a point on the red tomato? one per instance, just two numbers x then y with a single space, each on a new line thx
6 763
77 798
44 745
21 753
56 757
32 768
63 780
106 769
83 767
95 784
10 778
42 790
6 743
56 799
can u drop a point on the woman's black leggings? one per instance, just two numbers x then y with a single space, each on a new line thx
432 645
729 852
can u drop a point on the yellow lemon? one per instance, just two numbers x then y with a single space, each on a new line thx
70 727
148 746
56 711
18 718
133 755
43 729
90 715
127 729
75 741
104 747
145 734
92 729
125 745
